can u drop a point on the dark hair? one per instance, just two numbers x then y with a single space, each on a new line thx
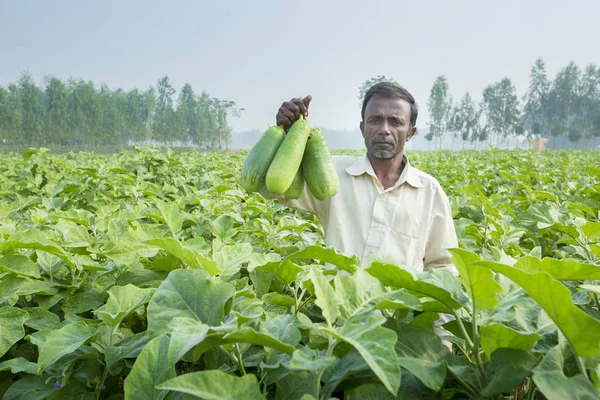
393 91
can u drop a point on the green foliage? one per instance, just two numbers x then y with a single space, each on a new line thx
153 275
366 85
79 114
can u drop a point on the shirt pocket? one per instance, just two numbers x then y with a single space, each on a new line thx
408 239
404 247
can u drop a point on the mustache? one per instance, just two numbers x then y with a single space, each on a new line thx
383 141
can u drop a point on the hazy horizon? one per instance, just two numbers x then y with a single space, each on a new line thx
260 56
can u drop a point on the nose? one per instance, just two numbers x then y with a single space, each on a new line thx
385 128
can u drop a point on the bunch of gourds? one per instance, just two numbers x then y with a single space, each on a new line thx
284 161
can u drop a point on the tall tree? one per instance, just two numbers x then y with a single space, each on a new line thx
563 103
57 113
465 121
589 108
13 117
222 110
208 122
85 112
164 123
535 109
440 108
501 108
76 113
187 114
133 116
32 111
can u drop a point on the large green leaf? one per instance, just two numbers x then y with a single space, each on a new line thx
361 293
11 329
20 364
130 347
42 319
285 270
186 254
188 293
507 369
421 352
185 334
11 287
170 215
72 390
376 345
326 297
541 215
34 239
229 259
495 336
283 328
478 281
249 335
581 330
73 235
342 368
214 385
83 301
132 246
297 385
152 367
395 276
19 265
123 300
555 385
63 341
310 360
223 227
29 388
328 255
565 269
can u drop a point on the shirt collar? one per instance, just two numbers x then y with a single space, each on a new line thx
363 165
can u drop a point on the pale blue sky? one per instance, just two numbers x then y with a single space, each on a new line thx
260 53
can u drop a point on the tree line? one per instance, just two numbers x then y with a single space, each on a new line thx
78 113
567 107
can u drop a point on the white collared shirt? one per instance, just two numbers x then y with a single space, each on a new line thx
411 222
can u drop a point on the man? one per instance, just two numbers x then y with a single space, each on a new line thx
384 206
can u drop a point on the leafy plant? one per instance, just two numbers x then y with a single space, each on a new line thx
152 275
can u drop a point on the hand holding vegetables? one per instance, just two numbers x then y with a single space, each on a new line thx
280 161
290 111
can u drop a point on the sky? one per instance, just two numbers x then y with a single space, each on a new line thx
262 53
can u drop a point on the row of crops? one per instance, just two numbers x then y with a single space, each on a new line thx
153 275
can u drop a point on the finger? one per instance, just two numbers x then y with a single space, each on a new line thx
284 121
302 110
306 102
294 107
290 114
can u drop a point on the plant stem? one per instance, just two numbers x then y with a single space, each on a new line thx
302 305
475 348
578 361
331 345
239 358
531 390
595 297
462 329
100 385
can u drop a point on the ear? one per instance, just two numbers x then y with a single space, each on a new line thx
362 128
411 133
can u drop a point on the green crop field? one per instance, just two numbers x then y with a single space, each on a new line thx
152 275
